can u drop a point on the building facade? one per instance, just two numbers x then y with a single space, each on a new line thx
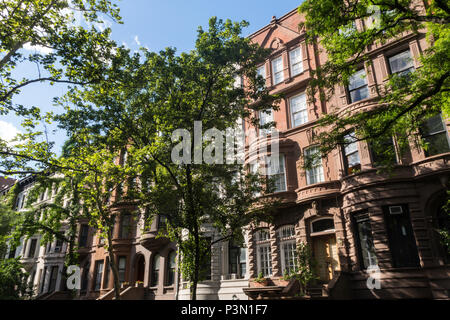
352 216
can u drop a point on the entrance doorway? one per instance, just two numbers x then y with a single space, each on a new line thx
326 255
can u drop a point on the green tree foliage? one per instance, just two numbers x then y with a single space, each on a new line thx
14 283
148 97
405 101
57 41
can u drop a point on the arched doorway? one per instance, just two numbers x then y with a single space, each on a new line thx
324 248
140 268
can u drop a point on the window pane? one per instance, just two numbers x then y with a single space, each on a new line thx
261 71
433 125
276 172
277 66
299 110
366 246
359 94
437 144
358 79
322 225
401 62
295 56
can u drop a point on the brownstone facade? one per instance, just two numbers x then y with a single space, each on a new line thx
397 214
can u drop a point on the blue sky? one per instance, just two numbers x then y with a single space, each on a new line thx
157 24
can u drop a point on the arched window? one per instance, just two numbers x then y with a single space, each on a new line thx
171 265
287 247
264 256
155 270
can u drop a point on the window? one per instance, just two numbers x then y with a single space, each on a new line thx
98 275
401 238
20 201
261 71
264 256
322 225
206 265
299 110
357 87
314 171
286 236
122 268
295 57
155 270
171 265
348 30
107 271
277 69
53 278
277 173
162 221
364 240
434 134
351 154
125 224
402 63
32 251
84 230
254 170
383 152
58 245
237 258
44 278
85 277
265 117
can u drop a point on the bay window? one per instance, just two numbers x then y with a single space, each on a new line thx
276 171
314 171
264 256
287 247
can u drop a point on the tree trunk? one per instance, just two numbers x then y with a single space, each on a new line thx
113 265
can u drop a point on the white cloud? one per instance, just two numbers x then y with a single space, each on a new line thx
8 131
39 49
136 39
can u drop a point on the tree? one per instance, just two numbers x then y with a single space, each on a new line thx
14 283
47 36
54 219
153 95
405 101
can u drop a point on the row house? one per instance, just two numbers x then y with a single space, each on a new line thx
43 262
352 216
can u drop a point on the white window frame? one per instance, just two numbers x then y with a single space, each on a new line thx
281 170
296 61
263 253
303 109
277 75
261 71
265 118
315 173
286 236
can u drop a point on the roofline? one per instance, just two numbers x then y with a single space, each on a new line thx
268 25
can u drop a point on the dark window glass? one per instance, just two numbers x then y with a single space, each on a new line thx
44 277
125 225
58 245
32 251
122 268
357 86
364 239
98 275
107 271
155 270
171 265
323 225
237 260
85 278
53 278
84 230
434 134
401 238
206 271
383 152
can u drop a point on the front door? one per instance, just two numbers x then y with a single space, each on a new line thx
326 256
